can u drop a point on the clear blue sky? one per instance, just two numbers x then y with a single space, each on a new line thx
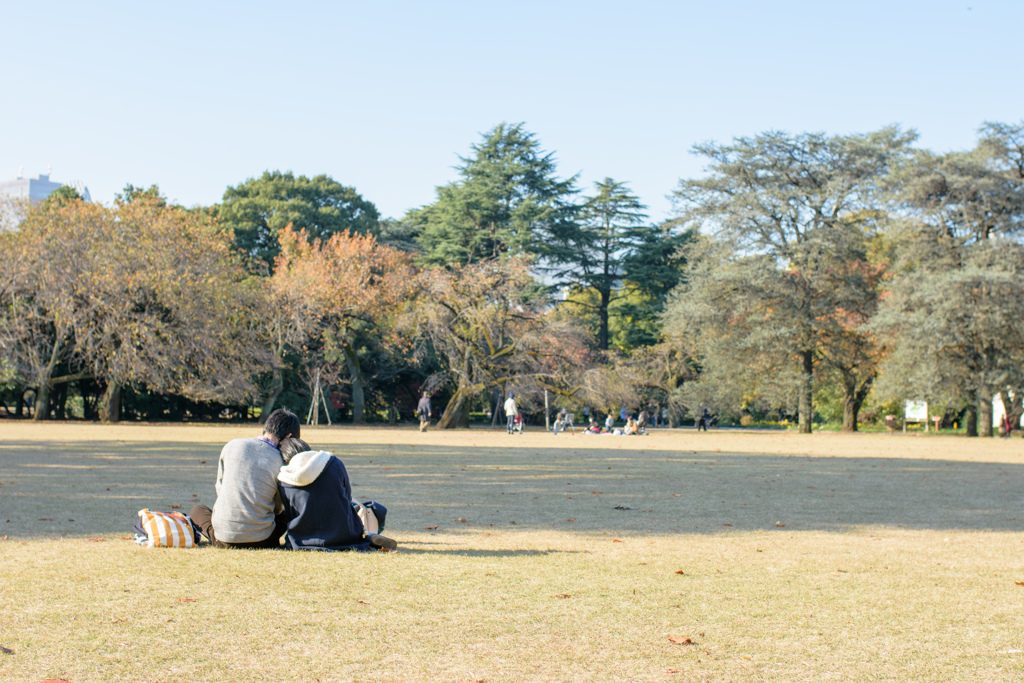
383 96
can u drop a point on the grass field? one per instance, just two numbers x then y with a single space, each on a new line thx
675 556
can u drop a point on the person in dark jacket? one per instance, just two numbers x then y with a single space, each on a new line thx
317 499
423 412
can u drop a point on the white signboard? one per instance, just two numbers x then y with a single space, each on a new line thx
916 410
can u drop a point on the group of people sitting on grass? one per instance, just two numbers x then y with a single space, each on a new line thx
634 425
274 490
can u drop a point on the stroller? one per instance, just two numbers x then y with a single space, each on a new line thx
517 424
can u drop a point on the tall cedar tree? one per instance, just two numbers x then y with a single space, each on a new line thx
507 199
589 254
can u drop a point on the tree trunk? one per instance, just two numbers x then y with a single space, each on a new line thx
853 399
42 410
356 371
456 413
110 404
90 400
59 397
805 401
984 411
1014 408
602 316
850 411
276 387
971 420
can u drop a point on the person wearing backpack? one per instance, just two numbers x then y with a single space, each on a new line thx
245 514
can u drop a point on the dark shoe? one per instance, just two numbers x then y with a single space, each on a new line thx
382 542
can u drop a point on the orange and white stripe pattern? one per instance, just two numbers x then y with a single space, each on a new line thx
167 529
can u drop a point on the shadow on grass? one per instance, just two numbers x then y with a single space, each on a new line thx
57 489
413 549
410 548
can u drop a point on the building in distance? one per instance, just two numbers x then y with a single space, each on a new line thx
39 188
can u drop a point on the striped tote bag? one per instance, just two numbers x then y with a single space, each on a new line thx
167 529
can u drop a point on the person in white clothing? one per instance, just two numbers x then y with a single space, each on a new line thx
511 410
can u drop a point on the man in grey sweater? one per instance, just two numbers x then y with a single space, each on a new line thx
245 514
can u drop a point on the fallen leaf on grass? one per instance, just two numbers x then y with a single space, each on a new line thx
779 524
571 519
681 640
671 671
727 524
615 540
95 540
430 528
363 602
127 538
46 519
6 651
186 599
597 492
460 519
118 621
175 507
563 595
1019 583
680 571
677 495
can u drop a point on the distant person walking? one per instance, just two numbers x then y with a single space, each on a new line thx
511 410
702 418
423 412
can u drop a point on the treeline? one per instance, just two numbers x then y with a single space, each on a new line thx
804 277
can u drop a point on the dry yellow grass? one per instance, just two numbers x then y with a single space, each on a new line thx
780 557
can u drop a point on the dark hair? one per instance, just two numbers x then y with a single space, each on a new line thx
292 446
282 423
